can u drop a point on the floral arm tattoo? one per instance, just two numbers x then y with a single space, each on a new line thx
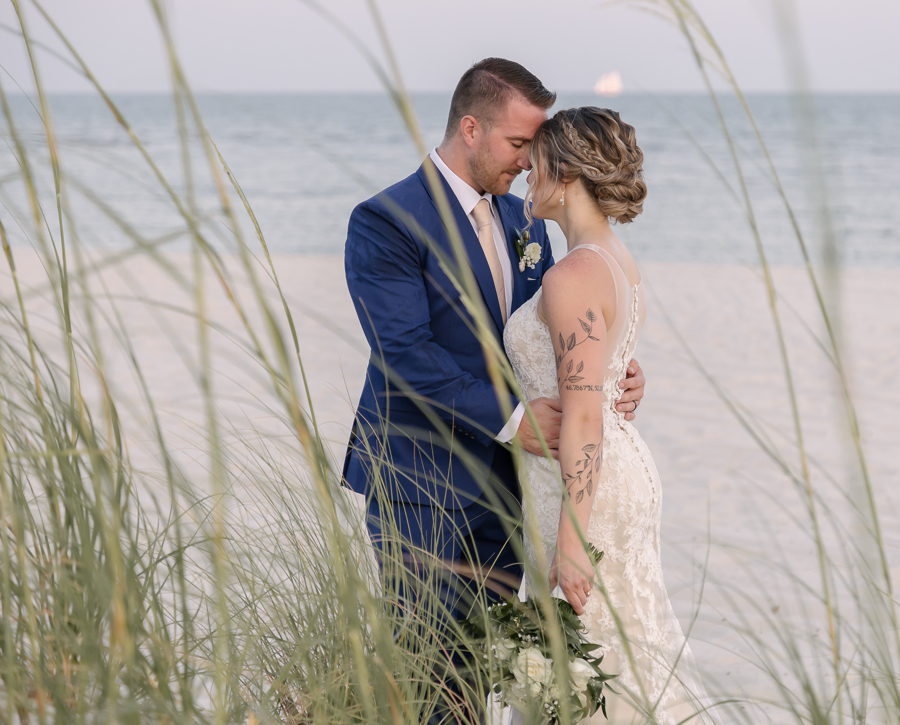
568 376
582 482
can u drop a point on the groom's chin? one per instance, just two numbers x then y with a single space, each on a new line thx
503 187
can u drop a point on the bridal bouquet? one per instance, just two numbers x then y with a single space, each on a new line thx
517 660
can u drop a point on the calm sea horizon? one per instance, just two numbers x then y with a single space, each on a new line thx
305 160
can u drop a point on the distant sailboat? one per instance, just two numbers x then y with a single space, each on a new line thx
610 84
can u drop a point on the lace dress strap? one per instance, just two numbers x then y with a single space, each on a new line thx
621 289
610 260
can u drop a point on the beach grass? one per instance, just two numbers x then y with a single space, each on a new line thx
243 589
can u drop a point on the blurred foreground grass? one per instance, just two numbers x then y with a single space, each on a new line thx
242 588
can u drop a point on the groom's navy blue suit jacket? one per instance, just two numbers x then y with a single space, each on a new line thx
424 351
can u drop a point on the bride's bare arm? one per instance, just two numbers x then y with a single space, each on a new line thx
578 296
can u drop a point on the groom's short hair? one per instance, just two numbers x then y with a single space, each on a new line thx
486 88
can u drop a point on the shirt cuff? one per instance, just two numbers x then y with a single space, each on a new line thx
512 425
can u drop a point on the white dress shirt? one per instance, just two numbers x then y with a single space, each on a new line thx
468 198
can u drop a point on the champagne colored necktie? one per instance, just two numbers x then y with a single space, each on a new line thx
482 214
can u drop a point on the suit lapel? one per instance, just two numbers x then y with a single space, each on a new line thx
472 246
509 233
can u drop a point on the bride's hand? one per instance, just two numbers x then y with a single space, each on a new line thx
573 571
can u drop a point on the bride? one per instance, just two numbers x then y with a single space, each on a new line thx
573 340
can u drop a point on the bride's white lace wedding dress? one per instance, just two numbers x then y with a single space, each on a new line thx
624 525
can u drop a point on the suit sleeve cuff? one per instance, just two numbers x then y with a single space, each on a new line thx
512 425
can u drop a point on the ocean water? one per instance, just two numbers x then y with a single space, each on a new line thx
305 160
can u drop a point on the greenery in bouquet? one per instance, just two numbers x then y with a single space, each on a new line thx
515 659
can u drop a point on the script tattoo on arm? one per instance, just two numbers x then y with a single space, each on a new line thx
569 376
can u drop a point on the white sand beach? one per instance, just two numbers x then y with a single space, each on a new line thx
722 492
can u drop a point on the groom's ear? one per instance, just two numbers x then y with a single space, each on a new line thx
470 130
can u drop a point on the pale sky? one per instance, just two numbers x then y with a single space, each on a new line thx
282 46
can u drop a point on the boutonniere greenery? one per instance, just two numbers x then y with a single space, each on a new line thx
529 252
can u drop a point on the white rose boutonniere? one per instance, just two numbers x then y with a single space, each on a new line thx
529 252
532 256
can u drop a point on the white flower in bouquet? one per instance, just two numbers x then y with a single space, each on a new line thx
552 694
503 649
532 670
581 673
516 696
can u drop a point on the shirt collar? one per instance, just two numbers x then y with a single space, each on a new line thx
465 194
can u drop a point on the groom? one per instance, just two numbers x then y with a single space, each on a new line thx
451 498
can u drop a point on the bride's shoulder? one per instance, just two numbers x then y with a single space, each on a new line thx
578 278
581 268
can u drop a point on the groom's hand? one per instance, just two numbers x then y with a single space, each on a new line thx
633 386
548 414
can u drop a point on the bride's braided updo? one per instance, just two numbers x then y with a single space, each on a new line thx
596 146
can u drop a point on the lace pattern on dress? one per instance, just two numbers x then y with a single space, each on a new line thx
625 523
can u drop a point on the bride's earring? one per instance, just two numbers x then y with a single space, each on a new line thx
562 198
